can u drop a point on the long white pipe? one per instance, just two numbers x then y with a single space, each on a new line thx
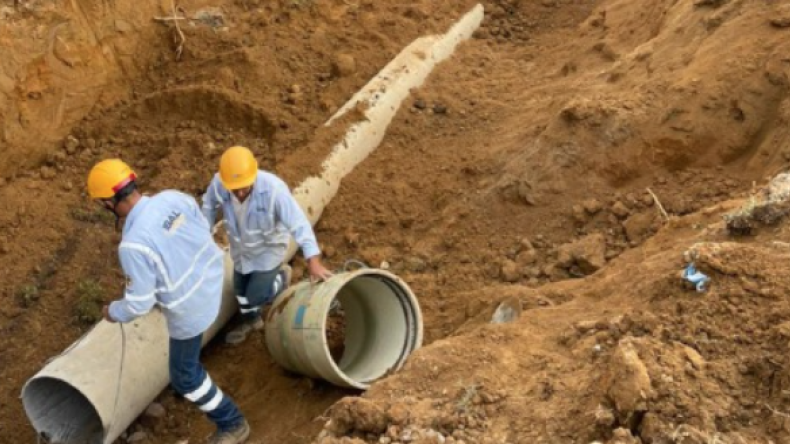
382 97
72 400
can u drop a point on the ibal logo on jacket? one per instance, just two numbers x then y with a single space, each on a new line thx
173 222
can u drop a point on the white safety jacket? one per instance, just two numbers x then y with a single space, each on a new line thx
273 216
170 258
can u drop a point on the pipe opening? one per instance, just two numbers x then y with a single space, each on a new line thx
379 326
336 331
60 413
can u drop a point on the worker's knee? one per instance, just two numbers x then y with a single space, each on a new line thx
185 379
186 372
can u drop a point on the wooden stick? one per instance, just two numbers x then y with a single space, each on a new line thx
776 412
169 19
658 203
180 47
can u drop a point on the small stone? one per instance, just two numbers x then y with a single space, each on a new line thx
90 144
67 185
123 26
527 257
592 206
155 410
620 210
344 65
385 440
639 226
588 253
137 437
508 311
48 173
439 109
352 238
416 264
420 104
510 271
524 192
71 144
384 265
295 89
696 360
604 416
533 272
56 158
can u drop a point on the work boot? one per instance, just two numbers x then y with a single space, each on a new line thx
238 435
240 333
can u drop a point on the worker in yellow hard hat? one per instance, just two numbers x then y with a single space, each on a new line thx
170 259
260 215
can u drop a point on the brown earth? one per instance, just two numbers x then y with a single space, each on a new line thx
519 172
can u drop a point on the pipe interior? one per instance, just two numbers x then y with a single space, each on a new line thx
379 327
60 413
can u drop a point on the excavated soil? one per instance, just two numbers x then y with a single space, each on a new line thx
522 173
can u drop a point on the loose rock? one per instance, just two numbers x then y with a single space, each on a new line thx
71 144
589 253
510 271
344 65
592 206
639 226
527 257
631 384
48 173
137 437
620 210
155 410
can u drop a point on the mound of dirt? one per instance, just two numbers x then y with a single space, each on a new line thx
630 354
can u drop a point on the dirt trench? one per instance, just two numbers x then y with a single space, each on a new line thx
520 168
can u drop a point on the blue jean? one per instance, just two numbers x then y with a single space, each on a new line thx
190 379
254 290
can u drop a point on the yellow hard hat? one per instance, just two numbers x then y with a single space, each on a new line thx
108 177
237 168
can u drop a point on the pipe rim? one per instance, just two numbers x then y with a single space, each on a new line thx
43 424
412 316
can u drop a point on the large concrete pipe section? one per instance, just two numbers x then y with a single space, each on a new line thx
86 396
381 323
91 392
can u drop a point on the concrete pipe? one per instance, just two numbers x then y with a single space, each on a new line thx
91 392
85 395
381 320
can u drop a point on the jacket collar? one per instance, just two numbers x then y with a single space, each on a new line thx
137 210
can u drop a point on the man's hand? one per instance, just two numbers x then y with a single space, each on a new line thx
317 270
105 311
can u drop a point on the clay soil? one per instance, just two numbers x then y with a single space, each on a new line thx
520 173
